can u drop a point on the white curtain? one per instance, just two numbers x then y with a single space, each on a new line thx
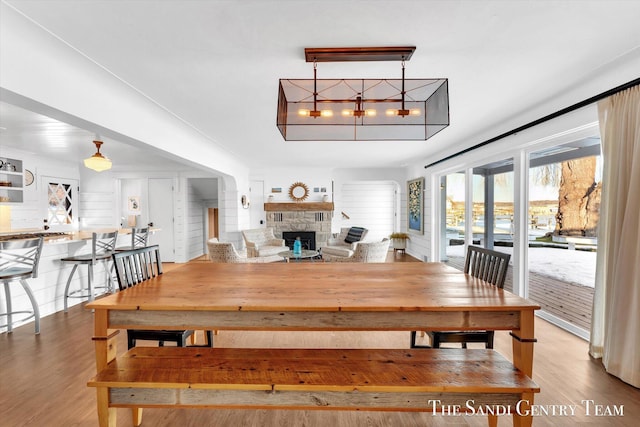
615 328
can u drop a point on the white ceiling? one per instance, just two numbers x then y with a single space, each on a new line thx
216 65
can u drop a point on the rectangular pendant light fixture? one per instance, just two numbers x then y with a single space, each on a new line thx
361 109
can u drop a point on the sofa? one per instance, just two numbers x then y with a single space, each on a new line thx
363 252
345 243
261 242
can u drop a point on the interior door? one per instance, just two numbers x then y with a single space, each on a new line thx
161 215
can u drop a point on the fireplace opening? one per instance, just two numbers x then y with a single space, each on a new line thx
307 238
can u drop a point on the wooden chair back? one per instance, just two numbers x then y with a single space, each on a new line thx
137 265
488 265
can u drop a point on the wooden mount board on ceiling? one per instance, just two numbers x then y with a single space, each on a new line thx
344 54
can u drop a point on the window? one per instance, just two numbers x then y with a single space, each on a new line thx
564 206
551 233
61 204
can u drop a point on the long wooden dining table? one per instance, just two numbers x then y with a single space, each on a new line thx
314 297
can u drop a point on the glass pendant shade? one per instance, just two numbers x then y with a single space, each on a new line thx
362 109
98 162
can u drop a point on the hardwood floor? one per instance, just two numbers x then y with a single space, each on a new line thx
43 380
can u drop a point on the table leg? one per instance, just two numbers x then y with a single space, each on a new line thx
106 415
106 349
523 340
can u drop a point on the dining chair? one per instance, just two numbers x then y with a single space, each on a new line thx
102 246
18 262
137 266
485 264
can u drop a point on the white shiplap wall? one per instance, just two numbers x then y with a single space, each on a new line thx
97 209
370 204
194 224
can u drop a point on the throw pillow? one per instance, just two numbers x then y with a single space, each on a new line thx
354 234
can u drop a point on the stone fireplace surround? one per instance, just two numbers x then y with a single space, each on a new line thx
301 216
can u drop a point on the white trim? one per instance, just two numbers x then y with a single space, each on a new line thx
569 327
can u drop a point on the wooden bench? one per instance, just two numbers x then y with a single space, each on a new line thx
426 380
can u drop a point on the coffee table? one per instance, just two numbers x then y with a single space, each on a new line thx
306 253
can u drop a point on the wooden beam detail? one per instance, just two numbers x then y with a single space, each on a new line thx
298 207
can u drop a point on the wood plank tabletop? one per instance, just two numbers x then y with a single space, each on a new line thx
314 287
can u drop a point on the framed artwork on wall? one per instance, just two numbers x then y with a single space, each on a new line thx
415 202
134 204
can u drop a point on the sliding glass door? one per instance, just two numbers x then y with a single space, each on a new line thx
564 204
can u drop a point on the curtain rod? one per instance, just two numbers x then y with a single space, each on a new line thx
542 119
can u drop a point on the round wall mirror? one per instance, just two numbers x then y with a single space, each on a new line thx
298 192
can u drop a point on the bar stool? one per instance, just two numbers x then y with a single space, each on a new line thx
102 246
19 261
139 238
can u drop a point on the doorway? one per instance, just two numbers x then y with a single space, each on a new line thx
212 221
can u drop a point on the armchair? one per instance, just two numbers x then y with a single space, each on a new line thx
261 242
345 244
225 252
363 252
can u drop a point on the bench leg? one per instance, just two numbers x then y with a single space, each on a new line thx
526 419
106 415
136 415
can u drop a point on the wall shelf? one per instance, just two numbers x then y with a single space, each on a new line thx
11 181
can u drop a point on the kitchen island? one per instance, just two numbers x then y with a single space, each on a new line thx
48 287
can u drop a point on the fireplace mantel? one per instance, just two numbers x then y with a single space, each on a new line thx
297 207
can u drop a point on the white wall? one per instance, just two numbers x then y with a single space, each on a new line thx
195 224
283 178
396 175
333 179
31 213
369 204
